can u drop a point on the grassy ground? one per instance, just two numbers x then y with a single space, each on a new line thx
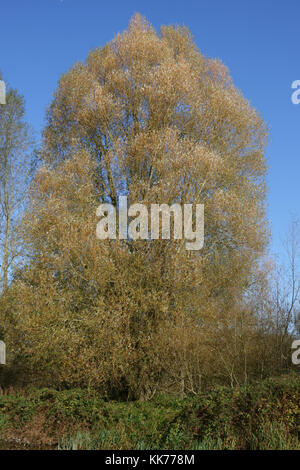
263 415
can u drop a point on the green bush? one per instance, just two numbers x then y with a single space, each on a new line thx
262 415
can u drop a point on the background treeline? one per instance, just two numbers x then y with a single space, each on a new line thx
147 116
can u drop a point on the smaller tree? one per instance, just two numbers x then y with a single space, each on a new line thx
17 163
277 308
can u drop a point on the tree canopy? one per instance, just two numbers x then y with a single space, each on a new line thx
150 117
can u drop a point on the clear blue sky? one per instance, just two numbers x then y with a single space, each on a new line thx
257 39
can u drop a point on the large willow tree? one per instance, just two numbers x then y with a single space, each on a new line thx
147 116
